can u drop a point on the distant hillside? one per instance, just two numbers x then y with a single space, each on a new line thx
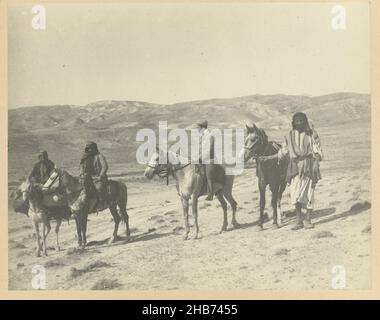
63 129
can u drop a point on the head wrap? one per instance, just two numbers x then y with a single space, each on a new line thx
43 155
301 115
203 124
90 150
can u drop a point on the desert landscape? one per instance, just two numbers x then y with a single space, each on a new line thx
156 257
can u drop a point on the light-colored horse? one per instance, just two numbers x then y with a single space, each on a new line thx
39 214
190 181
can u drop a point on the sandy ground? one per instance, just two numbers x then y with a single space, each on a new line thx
245 258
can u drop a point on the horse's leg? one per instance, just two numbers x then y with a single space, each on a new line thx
262 188
233 203
223 203
279 198
84 225
185 206
37 230
78 222
124 215
116 219
195 214
45 231
274 190
59 221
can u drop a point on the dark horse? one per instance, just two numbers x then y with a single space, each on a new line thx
269 169
81 205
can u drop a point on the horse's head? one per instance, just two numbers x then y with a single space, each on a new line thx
67 182
154 165
31 191
254 142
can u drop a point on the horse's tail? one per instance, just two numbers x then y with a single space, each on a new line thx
122 199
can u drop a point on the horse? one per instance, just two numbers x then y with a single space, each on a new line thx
269 170
81 204
190 183
39 213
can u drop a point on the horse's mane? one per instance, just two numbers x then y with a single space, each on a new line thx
174 158
262 135
73 181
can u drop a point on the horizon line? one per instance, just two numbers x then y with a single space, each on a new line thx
188 101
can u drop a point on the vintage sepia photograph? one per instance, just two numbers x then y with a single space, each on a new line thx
189 146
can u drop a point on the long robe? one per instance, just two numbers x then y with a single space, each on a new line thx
303 171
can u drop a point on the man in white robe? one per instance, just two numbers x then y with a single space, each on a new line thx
302 144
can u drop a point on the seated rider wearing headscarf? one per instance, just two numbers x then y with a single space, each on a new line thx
42 169
94 171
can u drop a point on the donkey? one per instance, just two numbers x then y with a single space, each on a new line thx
39 213
190 183
269 170
81 204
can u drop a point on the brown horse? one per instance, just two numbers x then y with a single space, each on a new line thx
81 205
190 182
269 170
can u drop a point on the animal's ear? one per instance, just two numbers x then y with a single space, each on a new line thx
249 129
254 128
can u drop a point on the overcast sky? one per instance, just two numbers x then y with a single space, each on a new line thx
167 53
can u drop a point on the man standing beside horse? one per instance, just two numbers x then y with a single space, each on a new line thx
303 147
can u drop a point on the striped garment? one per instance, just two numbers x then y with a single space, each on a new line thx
303 170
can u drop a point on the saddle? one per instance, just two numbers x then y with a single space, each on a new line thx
103 202
218 177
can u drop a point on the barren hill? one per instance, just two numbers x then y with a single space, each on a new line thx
63 129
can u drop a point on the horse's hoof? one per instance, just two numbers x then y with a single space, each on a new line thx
297 227
236 224
38 254
223 230
260 227
275 226
112 240
58 249
185 237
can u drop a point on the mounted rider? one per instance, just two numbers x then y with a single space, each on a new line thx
94 172
206 145
42 169
303 146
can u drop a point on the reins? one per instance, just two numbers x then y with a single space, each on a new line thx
263 157
170 169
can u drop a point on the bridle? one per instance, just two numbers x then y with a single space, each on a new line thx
28 191
167 170
250 148
261 138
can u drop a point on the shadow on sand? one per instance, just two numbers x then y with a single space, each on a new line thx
354 210
329 213
121 240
